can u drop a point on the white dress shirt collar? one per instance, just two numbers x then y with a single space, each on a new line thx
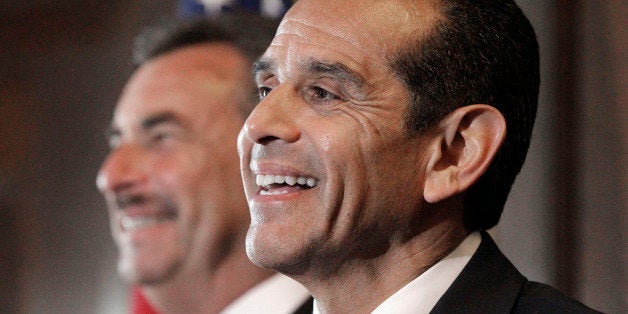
275 295
421 294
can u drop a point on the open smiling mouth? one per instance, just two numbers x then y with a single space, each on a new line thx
132 216
271 184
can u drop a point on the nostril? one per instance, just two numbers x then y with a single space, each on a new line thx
267 139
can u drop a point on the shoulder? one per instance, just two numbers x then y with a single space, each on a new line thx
536 297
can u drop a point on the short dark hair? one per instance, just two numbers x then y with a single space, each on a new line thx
248 32
175 33
479 52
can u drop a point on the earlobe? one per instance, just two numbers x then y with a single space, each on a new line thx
464 146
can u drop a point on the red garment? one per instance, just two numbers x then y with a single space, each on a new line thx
139 304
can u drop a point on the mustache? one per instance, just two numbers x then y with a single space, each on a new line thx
124 201
164 205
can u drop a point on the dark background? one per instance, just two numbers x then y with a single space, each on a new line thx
63 64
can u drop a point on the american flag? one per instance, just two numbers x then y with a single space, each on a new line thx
269 8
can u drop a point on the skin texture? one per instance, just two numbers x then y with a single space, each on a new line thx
171 160
332 110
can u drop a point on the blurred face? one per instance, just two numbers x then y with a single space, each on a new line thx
171 180
329 171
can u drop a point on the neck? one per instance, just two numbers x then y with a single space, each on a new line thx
359 285
209 291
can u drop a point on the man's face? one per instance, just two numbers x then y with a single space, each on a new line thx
171 180
332 118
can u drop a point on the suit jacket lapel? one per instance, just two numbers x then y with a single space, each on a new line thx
306 308
489 283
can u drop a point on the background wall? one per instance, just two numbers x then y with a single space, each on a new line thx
64 62
62 65
565 222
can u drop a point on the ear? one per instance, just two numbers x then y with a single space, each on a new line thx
466 142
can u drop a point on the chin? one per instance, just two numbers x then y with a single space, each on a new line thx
128 273
135 274
283 254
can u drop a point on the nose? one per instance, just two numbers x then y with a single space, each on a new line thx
122 169
273 119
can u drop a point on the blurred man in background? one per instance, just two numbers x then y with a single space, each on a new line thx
171 181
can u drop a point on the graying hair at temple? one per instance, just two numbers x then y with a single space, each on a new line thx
251 33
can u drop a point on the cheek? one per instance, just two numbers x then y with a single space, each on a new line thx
210 189
343 147
186 170
185 181
326 142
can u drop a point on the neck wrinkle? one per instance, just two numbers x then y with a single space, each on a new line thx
359 286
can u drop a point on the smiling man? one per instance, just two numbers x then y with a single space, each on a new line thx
386 140
171 181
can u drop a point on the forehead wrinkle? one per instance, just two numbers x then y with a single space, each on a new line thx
289 43
325 51
299 27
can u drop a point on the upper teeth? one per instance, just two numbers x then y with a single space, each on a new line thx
133 223
267 180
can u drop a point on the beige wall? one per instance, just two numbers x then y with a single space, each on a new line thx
62 65
601 189
565 222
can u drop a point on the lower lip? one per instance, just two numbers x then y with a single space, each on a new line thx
283 192
273 203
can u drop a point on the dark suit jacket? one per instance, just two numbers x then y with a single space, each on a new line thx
306 308
489 283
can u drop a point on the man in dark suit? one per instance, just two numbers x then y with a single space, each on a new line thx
386 140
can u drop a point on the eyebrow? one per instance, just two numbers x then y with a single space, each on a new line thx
336 70
159 118
262 66
146 124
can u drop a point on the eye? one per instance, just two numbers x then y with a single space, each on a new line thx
320 96
323 94
114 138
161 136
264 91
114 142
